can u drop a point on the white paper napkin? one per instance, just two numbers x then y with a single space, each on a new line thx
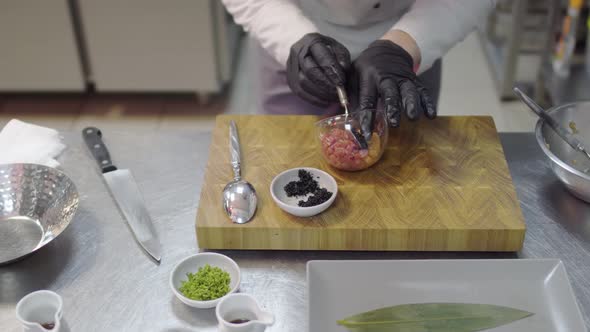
22 142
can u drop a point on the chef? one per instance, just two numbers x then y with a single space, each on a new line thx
385 52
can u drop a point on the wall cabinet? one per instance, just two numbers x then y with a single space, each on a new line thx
154 45
38 49
118 46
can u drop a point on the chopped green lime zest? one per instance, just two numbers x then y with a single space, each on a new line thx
209 283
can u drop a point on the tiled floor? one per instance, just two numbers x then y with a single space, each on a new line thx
122 112
59 112
467 89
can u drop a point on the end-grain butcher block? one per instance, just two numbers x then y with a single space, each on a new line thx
442 185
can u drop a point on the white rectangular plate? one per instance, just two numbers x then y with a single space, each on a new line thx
338 289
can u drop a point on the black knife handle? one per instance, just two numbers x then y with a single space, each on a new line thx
93 138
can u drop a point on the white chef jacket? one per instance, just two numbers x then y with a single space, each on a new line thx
435 25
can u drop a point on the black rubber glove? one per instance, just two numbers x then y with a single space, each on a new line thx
385 70
316 65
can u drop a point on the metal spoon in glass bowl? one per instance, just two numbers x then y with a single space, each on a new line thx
239 196
351 124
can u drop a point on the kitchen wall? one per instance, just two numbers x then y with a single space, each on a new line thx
116 46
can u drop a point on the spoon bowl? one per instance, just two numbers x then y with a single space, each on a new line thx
239 201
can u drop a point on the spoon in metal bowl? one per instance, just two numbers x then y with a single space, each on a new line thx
239 196
559 130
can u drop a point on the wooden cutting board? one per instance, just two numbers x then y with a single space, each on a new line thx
442 185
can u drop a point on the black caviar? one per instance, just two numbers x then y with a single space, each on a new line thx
304 186
307 185
317 198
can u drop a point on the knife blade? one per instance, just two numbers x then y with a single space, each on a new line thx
125 192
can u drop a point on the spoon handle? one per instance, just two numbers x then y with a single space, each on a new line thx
343 98
234 149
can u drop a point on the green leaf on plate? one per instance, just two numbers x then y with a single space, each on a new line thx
433 317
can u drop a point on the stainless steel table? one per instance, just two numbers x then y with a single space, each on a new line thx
108 283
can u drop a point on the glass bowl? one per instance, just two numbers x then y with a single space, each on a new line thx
339 148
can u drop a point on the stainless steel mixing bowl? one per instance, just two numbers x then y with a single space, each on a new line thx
568 164
36 204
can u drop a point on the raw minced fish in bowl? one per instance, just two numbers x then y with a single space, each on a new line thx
339 148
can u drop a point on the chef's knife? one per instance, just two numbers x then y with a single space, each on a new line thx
125 192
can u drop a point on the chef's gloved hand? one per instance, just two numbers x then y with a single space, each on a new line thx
385 70
316 65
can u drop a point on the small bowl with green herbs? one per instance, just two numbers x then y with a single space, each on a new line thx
201 280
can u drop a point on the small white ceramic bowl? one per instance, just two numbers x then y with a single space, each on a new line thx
192 264
289 204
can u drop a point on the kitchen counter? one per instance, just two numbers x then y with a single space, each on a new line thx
109 284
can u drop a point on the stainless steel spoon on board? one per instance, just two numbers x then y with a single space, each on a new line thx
239 196
559 130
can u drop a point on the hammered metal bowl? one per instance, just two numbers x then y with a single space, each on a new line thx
36 204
